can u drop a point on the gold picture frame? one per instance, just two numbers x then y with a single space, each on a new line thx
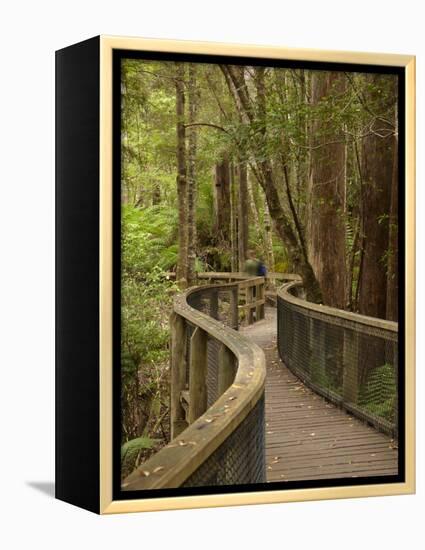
107 45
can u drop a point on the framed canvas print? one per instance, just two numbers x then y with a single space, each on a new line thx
235 274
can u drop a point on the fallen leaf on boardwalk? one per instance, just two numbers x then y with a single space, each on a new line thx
182 443
269 432
282 475
312 433
269 468
209 420
276 457
144 473
158 469
274 461
373 454
232 397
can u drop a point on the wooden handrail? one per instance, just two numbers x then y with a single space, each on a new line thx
177 461
335 315
238 275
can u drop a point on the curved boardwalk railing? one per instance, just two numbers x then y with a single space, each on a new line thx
217 393
348 358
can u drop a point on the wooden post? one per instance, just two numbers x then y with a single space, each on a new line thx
249 299
263 297
351 366
259 295
178 373
214 304
198 374
234 302
226 369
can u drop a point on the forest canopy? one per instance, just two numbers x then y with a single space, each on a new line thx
298 166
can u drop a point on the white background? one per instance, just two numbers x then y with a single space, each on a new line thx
29 33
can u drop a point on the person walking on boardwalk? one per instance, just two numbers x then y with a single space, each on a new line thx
252 264
261 268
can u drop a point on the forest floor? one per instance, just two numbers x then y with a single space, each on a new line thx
308 437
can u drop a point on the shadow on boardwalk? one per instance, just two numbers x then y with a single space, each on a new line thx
306 436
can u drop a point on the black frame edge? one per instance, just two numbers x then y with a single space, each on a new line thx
77 463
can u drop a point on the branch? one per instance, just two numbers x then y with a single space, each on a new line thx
216 126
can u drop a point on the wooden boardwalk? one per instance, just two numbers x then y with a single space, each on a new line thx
306 436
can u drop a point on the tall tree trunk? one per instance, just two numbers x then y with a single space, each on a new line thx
326 194
377 175
243 217
191 176
234 229
222 200
392 264
268 230
252 208
183 234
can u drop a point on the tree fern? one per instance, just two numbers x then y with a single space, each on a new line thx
131 449
378 395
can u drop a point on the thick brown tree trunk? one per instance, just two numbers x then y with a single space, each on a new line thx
377 177
182 262
327 189
234 230
243 217
392 264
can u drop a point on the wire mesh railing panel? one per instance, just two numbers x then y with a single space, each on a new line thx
349 362
240 459
213 348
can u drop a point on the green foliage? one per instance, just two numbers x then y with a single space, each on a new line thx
148 248
148 239
378 395
131 451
